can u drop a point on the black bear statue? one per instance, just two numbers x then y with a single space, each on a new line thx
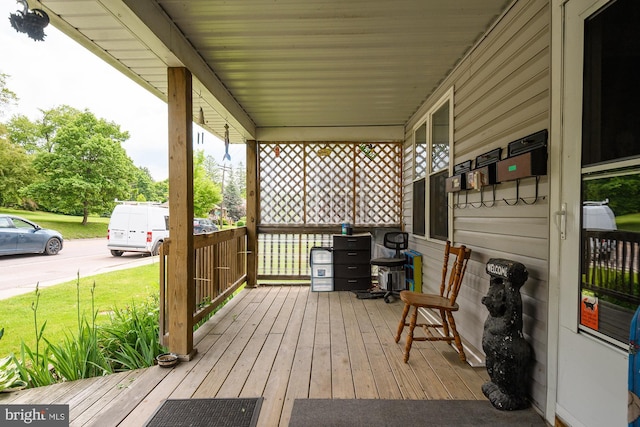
508 354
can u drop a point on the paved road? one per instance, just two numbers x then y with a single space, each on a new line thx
19 274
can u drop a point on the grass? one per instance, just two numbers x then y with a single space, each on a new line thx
57 305
630 222
69 226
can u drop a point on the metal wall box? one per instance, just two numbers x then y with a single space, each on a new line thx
485 171
458 181
528 143
531 163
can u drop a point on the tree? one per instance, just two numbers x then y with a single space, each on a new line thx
24 133
241 180
212 169
16 172
142 186
85 168
206 194
7 97
236 208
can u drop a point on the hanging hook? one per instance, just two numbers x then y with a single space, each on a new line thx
536 197
517 194
466 200
493 202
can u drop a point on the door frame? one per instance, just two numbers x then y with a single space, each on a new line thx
565 212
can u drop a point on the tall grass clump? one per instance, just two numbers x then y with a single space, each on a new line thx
131 339
79 356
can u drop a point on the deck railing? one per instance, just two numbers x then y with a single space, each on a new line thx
610 272
610 264
284 254
220 269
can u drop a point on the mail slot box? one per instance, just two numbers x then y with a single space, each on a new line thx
480 177
531 163
456 183
485 171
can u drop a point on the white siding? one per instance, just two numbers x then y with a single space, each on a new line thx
501 93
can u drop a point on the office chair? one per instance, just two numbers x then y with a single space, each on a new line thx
397 241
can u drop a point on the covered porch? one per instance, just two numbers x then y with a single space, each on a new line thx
282 343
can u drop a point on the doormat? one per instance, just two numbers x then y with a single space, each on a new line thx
207 412
378 413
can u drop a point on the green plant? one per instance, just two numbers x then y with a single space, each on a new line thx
10 374
80 356
131 339
34 366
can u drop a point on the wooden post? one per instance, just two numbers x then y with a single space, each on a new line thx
180 285
252 213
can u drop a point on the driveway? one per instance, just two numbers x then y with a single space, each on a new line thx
19 274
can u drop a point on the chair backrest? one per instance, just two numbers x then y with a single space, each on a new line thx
396 240
450 288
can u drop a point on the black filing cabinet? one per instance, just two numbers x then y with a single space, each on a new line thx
351 256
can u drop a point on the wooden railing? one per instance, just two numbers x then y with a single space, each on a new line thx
220 269
284 254
610 264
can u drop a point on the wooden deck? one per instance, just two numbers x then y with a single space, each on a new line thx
281 343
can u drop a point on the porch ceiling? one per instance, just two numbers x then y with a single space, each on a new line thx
263 66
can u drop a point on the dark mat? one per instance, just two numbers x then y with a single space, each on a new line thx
389 413
207 412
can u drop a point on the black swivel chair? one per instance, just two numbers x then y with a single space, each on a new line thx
398 241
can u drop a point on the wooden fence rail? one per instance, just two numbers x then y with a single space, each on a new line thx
220 269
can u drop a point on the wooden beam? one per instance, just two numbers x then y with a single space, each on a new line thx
252 213
180 285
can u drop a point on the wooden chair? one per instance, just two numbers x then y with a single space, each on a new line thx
445 303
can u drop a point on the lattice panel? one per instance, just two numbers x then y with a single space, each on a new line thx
282 183
439 157
327 184
378 185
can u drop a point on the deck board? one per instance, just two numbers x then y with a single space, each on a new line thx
282 343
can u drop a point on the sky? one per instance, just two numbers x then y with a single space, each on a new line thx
58 71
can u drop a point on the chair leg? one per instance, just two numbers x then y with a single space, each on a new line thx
445 323
456 337
403 321
412 326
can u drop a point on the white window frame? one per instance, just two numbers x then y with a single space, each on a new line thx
444 99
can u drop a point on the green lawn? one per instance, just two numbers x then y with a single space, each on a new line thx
69 226
57 305
629 222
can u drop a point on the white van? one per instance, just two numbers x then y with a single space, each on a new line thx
137 227
598 216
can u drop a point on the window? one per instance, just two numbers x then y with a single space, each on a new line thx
440 139
419 174
610 248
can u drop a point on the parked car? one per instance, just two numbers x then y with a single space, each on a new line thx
203 225
21 236
137 227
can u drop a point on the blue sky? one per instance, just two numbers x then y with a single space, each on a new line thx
59 71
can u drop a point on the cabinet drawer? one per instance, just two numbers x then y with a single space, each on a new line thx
356 284
352 242
352 270
351 257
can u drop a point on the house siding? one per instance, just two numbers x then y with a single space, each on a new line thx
501 93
